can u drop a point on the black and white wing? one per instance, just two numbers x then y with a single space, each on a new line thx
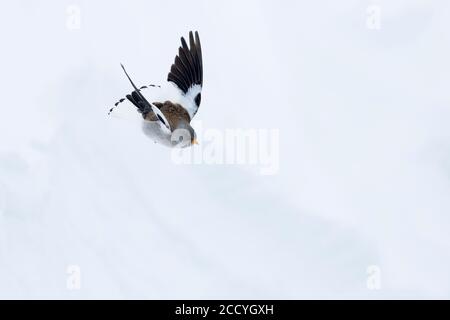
142 104
187 73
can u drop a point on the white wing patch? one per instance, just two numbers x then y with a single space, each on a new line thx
187 101
158 113
161 116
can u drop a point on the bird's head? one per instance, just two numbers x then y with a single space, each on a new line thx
183 135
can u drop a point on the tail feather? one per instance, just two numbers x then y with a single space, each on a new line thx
136 98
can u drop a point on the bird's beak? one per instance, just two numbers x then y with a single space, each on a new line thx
194 141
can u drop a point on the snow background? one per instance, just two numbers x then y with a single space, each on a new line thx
364 173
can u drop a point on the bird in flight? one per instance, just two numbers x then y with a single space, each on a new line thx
174 115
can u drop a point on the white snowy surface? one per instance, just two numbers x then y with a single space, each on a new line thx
364 171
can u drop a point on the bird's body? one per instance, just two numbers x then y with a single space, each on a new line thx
174 114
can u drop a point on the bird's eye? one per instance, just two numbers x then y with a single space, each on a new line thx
198 99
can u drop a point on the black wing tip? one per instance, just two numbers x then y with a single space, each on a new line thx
195 35
197 38
191 34
187 69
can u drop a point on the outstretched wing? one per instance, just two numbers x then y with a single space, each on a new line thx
187 73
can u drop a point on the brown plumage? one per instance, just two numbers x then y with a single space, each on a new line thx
186 73
175 114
